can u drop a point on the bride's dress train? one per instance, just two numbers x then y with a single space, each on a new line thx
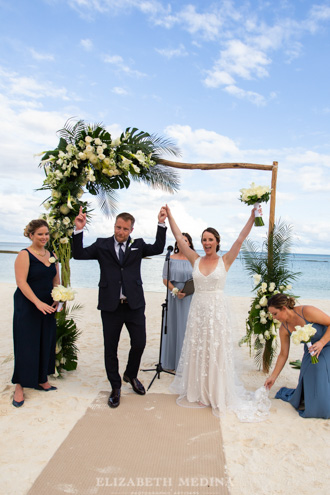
206 371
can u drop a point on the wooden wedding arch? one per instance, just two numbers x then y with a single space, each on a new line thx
220 166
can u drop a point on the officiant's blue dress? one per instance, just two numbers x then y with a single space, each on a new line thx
312 395
177 313
34 333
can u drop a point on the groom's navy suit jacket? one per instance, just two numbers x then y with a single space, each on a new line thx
112 272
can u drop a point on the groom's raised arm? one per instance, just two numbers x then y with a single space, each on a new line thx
79 252
158 246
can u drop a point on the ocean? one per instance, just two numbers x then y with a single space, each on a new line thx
314 282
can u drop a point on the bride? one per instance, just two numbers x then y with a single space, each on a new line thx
206 372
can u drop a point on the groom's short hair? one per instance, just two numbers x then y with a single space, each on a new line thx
126 217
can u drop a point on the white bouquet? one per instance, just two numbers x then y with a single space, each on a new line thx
62 294
304 334
255 195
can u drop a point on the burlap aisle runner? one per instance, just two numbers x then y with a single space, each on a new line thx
149 445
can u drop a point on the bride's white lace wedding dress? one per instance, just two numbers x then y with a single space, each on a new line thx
206 372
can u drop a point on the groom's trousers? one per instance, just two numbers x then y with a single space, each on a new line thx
113 322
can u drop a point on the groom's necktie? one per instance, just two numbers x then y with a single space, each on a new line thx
121 256
121 253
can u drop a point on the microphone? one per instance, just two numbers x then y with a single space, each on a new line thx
168 254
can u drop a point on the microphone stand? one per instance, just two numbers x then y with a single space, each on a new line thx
163 329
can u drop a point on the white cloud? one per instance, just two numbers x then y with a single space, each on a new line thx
119 91
201 144
29 87
41 56
87 44
119 63
174 52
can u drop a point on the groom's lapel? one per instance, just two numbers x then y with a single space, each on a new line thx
111 246
128 248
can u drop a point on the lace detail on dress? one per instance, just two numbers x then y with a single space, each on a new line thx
206 371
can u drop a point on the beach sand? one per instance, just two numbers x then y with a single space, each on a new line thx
281 455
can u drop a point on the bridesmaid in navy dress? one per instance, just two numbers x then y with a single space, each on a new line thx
34 326
311 398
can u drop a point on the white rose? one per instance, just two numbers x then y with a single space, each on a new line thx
101 156
264 287
98 142
116 142
88 139
93 159
263 301
66 221
56 194
64 209
82 156
256 278
99 150
64 240
272 286
263 320
52 259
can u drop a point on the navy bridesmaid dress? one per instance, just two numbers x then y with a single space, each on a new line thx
311 398
34 333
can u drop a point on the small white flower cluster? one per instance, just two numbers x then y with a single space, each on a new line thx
174 291
62 294
255 194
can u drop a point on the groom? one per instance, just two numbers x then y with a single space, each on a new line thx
121 298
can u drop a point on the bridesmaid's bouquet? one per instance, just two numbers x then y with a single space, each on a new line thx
62 294
304 334
255 195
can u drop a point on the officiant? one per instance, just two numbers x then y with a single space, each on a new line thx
180 271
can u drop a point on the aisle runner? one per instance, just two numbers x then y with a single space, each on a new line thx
149 445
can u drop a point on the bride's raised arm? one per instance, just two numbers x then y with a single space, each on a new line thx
183 246
232 254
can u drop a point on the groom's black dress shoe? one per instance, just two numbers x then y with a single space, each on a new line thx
136 384
114 398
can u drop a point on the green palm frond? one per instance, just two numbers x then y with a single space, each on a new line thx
273 261
107 202
71 132
273 264
67 335
161 177
163 145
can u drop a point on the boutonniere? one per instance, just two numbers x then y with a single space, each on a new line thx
131 242
52 259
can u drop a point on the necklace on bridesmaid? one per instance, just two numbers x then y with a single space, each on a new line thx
37 252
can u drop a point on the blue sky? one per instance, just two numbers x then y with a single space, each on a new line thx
227 81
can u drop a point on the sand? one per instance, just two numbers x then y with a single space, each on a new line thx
282 455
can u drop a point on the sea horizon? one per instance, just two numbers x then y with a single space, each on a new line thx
312 284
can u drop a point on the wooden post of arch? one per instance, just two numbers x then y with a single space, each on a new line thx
218 166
